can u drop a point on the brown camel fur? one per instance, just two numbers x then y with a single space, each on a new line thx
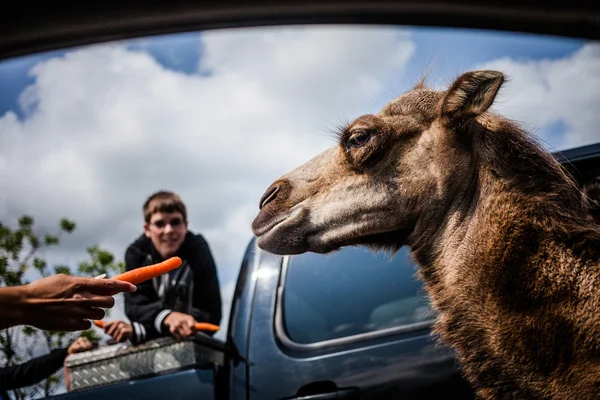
497 227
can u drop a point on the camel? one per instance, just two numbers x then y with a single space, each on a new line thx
497 228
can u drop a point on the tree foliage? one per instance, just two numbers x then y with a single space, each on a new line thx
21 263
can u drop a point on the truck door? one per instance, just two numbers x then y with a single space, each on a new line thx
346 325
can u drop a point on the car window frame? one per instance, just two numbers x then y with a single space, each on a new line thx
288 342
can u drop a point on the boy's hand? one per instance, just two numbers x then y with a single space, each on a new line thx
119 330
180 325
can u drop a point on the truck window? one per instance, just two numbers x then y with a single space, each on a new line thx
350 292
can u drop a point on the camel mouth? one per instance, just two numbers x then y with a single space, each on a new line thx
262 229
293 234
281 234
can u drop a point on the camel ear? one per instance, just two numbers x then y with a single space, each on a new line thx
471 94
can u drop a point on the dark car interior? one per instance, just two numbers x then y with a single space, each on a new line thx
26 29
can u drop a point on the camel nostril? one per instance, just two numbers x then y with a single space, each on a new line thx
268 196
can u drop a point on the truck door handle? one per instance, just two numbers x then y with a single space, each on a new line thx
337 394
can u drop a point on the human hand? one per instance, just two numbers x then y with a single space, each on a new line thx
119 330
180 325
79 345
66 303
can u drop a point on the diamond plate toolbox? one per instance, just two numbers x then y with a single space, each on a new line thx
118 363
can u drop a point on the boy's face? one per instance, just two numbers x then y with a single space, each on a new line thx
167 232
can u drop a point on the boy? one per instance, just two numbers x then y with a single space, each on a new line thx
171 303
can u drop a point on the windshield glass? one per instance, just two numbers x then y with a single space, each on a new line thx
89 133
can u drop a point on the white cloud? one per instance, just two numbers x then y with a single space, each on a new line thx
107 126
543 93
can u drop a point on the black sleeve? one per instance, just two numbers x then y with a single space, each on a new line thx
142 306
142 333
206 301
32 371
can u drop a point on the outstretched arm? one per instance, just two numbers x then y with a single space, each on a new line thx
59 302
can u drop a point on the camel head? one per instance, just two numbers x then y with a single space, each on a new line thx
389 177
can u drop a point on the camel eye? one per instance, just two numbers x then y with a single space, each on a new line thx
358 139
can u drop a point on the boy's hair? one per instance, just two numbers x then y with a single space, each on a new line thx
163 201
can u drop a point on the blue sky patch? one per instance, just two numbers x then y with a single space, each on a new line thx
14 78
448 52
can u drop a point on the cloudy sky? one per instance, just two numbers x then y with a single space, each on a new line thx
89 133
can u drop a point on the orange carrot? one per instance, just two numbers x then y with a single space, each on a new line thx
98 323
205 326
141 274
199 326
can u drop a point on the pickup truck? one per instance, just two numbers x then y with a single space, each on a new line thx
350 325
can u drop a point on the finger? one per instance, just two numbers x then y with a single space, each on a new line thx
173 330
97 313
78 313
177 333
92 300
186 331
107 287
112 329
123 334
75 324
84 312
119 332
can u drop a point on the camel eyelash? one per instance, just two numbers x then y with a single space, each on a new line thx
343 132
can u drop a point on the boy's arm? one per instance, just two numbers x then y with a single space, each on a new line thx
143 307
206 301
58 302
142 333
